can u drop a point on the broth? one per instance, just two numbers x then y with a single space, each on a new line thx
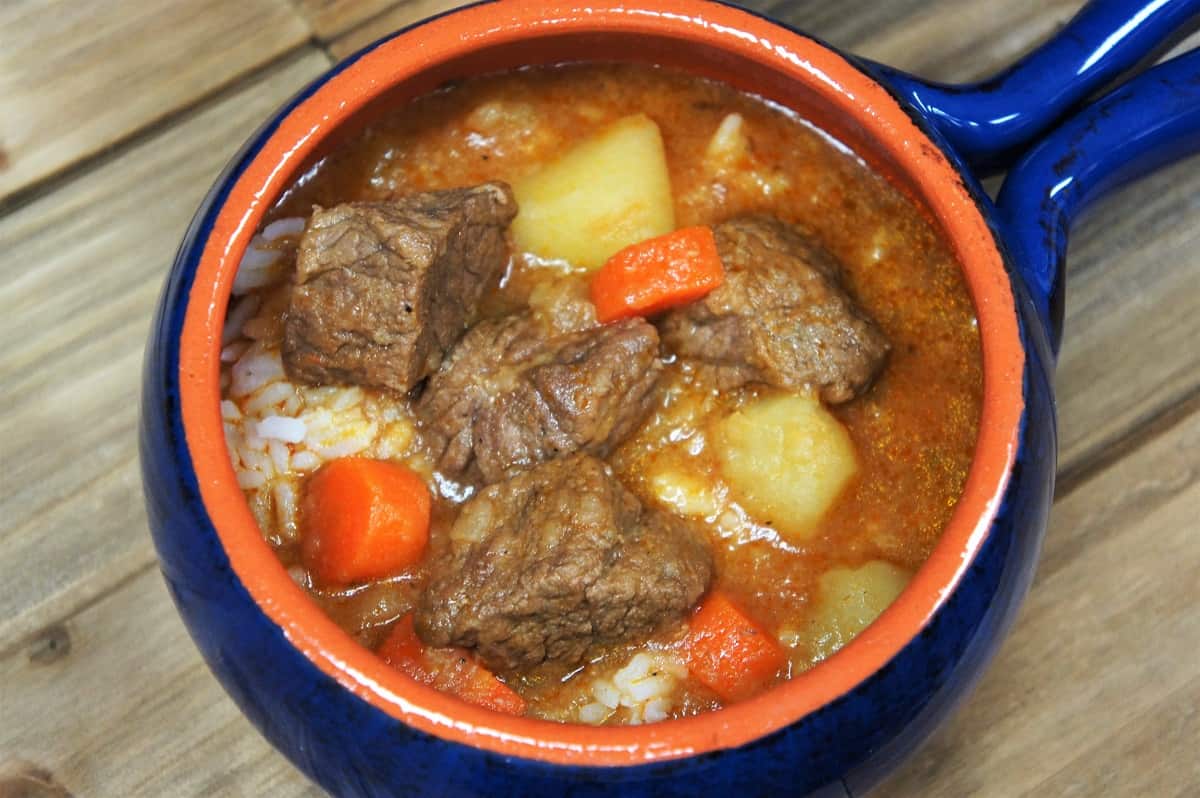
913 432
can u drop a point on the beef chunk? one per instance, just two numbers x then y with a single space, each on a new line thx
781 316
512 395
384 289
555 561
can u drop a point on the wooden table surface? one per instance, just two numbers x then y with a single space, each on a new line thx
115 117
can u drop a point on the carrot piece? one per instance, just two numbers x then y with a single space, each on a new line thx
451 670
656 274
363 519
730 653
475 684
404 650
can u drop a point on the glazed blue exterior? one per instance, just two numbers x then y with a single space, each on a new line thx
1140 126
353 749
990 122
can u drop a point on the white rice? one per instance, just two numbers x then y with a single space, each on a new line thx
281 428
641 692
229 411
256 460
264 262
305 461
280 454
240 312
291 226
278 431
283 499
249 480
269 395
234 351
256 368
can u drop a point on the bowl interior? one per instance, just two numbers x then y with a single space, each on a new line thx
706 39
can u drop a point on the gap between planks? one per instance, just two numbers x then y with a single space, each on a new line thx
1146 429
14 646
77 78
73 524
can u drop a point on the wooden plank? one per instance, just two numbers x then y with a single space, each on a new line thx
331 18
398 16
943 40
1133 759
142 714
1132 271
1129 349
955 41
71 520
75 78
1108 637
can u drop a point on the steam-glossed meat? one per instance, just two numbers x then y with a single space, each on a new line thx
781 317
556 561
513 394
384 289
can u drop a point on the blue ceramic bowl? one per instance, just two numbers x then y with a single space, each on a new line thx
360 728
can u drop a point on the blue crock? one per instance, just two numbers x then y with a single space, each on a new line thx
1060 152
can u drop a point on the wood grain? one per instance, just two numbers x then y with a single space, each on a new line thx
1105 647
942 40
397 15
150 721
1133 295
71 519
1141 754
957 41
331 18
101 692
77 77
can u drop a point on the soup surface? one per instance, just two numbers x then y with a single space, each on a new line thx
814 512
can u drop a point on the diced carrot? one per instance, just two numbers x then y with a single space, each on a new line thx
657 274
730 653
404 650
451 670
363 519
475 684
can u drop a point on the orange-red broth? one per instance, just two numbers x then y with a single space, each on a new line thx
913 432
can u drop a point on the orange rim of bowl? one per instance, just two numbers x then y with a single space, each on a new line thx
713 30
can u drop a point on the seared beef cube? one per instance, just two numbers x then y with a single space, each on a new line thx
781 316
556 561
384 289
512 395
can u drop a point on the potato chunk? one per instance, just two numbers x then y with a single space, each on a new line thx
850 601
786 459
728 145
607 192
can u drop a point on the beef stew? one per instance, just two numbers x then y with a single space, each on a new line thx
631 521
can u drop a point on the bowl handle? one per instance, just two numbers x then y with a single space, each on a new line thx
1146 123
990 122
